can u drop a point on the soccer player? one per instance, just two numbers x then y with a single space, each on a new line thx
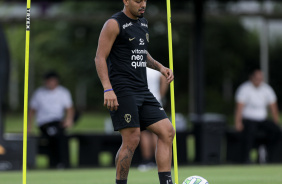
121 61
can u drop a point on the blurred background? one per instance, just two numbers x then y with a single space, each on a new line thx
216 43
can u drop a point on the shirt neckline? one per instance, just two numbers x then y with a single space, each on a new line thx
134 20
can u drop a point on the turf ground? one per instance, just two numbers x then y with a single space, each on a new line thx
223 174
90 122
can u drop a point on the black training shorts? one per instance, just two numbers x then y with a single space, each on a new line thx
137 111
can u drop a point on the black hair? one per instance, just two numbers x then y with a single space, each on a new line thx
253 70
51 74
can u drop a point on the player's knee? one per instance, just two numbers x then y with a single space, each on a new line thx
168 135
131 139
171 133
134 140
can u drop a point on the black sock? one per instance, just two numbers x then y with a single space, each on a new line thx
121 181
165 178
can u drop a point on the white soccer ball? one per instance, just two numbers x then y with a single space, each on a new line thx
195 180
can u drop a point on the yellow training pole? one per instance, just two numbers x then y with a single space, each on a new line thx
172 89
26 89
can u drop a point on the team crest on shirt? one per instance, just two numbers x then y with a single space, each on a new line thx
147 37
141 40
127 118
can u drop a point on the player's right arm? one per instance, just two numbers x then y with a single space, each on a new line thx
238 117
31 114
107 37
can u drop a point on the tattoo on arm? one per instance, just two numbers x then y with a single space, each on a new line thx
151 63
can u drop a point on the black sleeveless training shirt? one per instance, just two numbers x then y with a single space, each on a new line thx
127 59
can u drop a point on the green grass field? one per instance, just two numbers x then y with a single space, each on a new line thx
91 122
88 122
254 174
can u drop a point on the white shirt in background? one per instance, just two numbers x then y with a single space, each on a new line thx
153 78
50 105
255 100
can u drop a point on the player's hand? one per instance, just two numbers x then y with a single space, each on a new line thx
239 126
67 123
168 73
110 100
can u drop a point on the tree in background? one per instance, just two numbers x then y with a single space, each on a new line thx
67 43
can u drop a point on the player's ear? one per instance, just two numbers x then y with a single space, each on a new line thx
125 2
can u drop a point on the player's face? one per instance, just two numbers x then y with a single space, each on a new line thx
136 7
51 83
257 78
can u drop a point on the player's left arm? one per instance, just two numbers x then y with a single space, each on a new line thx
68 121
152 63
274 112
163 86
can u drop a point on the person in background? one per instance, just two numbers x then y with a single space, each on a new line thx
252 99
52 104
158 86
